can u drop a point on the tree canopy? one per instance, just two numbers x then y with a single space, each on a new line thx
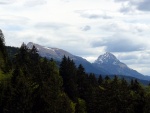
39 85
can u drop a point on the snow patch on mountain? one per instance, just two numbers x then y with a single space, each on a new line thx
105 64
107 58
57 54
49 52
111 64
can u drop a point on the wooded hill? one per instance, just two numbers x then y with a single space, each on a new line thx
31 84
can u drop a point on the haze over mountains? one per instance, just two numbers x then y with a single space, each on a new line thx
106 64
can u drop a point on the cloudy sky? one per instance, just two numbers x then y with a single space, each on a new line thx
86 28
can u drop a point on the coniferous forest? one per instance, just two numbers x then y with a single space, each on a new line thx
31 84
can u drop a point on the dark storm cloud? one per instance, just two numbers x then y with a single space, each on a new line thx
118 43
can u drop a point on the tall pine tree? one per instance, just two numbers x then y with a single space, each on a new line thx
68 72
3 53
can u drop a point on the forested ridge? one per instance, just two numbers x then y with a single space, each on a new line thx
31 84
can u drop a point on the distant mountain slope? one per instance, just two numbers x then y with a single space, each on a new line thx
58 54
106 64
111 64
13 50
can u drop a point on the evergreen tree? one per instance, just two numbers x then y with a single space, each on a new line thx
138 97
65 105
90 94
21 93
36 85
68 72
5 96
100 80
47 92
81 106
147 100
3 53
2 45
82 80
22 58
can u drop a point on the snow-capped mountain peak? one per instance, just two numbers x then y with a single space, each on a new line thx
57 54
30 45
49 52
105 64
107 58
111 64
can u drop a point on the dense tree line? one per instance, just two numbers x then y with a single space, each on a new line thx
31 84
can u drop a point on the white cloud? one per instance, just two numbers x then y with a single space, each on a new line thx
131 5
74 25
7 2
94 14
33 3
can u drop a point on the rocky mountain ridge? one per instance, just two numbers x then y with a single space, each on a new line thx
106 64
58 54
110 63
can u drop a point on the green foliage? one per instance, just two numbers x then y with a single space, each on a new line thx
12 51
2 75
36 85
2 44
65 105
68 72
147 100
3 53
81 106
